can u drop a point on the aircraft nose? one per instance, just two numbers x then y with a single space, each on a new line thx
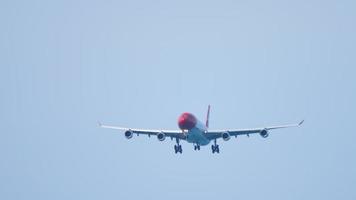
186 121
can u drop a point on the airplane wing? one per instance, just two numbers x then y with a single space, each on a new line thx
215 134
177 134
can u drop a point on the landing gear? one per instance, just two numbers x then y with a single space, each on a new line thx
197 147
215 147
178 147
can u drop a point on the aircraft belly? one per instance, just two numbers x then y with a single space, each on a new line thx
196 136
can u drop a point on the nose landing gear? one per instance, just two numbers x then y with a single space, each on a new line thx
197 147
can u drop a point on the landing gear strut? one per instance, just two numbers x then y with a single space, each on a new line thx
197 147
215 147
178 147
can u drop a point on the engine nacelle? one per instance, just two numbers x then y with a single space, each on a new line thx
264 133
225 136
128 134
161 136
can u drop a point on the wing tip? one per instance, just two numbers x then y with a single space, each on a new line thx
100 124
301 122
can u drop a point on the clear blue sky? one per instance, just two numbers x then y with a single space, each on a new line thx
67 64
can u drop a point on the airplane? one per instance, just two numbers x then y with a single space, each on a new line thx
194 131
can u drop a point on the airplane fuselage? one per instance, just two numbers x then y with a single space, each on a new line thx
193 128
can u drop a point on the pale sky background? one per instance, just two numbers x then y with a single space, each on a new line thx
67 64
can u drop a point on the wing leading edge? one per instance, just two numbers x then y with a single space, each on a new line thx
215 134
169 133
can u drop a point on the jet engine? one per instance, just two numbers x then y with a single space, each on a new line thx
264 133
225 136
161 136
128 134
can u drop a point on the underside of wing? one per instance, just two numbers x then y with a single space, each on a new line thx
225 134
161 134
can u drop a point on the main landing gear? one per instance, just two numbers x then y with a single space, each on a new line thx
197 147
178 147
215 147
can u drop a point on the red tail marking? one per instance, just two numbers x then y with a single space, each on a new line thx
207 117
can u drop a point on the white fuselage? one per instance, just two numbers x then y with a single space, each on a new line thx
196 135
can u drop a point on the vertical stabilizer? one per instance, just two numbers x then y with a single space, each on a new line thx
207 117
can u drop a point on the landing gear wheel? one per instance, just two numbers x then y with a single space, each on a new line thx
178 147
215 148
175 149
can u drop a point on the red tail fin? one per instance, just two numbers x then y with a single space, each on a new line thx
207 117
